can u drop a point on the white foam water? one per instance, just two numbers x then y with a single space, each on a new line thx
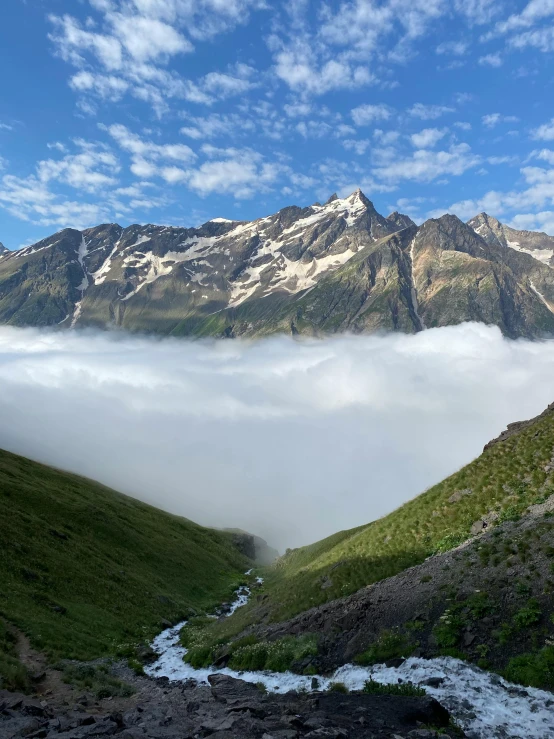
485 705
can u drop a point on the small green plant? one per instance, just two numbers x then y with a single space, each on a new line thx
136 666
529 615
414 625
447 631
407 689
479 605
511 513
338 688
425 578
523 588
505 633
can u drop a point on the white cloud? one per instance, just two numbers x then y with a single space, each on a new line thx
428 137
537 196
493 119
359 146
136 41
429 112
541 39
108 87
241 173
491 60
478 11
93 168
544 132
452 48
30 199
386 137
363 115
146 155
534 11
147 39
425 165
216 125
412 409
302 71
542 221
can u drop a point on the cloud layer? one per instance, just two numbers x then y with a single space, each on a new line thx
293 440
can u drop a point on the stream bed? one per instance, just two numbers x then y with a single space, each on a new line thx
485 705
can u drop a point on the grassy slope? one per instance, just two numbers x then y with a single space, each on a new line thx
86 571
504 480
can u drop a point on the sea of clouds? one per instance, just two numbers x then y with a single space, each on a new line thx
290 439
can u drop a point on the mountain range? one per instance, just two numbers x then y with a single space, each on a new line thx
322 269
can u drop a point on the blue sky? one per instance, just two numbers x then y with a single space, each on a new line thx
177 111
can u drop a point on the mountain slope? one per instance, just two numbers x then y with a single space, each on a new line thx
86 571
326 268
512 473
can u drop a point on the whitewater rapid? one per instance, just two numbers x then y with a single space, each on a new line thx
485 705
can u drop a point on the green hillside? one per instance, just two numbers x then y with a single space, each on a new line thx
86 571
499 485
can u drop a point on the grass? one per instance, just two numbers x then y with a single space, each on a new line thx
96 679
13 675
87 572
504 481
405 689
249 653
389 645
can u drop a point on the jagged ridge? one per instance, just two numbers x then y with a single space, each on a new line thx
326 268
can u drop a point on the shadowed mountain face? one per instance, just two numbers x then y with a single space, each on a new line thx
322 269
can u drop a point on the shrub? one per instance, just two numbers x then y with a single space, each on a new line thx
389 645
529 615
277 656
535 669
448 631
338 688
511 513
406 689
479 605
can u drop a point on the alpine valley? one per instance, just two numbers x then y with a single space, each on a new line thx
323 269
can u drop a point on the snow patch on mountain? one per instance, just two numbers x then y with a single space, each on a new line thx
542 255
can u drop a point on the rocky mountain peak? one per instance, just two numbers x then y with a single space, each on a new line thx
400 220
332 199
2 248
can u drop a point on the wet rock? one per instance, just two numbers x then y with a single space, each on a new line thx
433 682
395 662
146 654
224 687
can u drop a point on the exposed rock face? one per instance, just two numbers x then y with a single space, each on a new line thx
400 220
536 243
228 709
326 268
3 249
